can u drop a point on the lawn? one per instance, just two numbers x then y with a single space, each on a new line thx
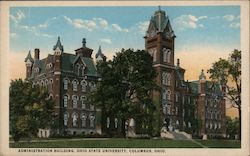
220 143
126 143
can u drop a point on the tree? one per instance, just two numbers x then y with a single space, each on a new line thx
30 109
228 74
232 127
124 91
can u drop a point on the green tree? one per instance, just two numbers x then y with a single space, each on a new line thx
232 127
228 74
30 108
124 91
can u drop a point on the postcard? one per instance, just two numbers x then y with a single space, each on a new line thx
124 78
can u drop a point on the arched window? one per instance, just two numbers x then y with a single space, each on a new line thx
108 122
65 118
83 101
166 78
92 120
84 85
65 84
74 119
65 100
74 85
51 84
166 55
74 101
83 118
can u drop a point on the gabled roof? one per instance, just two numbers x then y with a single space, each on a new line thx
58 44
160 21
99 53
29 57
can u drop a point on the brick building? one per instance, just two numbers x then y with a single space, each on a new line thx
69 78
197 107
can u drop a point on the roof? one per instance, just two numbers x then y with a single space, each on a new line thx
58 44
67 63
211 87
99 53
29 57
160 21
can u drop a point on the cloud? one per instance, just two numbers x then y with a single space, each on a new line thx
116 27
142 26
102 22
188 22
81 24
229 17
47 22
234 25
106 40
18 16
13 35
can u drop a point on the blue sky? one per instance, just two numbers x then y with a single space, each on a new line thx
120 27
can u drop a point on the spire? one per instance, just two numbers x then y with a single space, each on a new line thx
84 42
58 44
99 55
29 57
202 75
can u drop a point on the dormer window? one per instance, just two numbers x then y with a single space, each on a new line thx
92 86
36 70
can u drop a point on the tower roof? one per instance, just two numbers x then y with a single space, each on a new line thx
29 57
58 44
160 22
202 75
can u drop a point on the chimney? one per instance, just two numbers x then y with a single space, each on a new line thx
37 53
178 62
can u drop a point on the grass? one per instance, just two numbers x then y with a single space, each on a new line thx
110 143
127 143
220 143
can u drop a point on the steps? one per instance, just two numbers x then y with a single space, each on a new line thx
175 135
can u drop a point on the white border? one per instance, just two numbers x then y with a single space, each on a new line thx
4 76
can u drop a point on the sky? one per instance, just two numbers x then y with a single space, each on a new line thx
204 33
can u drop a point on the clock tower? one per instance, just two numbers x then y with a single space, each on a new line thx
159 43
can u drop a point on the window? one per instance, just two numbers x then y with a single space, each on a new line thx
176 110
176 97
65 117
166 78
83 101
164 94
92 107
166 55
74 119
92 120
65 84
83 118
74 83
116 123
164 109
108 122
83 70
84 85
74 101
92 86
65 100
168 94
152 52
169 110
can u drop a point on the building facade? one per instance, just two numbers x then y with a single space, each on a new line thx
69 78
197 107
